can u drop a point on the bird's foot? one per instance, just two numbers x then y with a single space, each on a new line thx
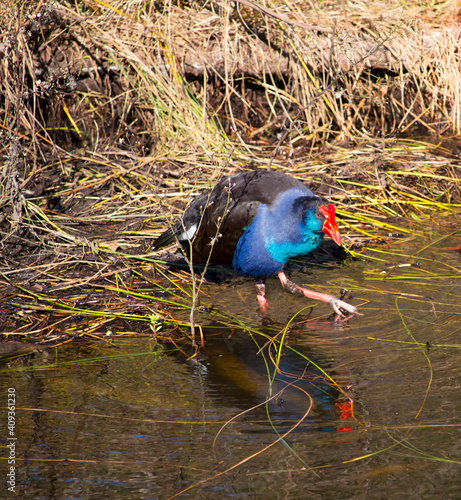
262 301
339 306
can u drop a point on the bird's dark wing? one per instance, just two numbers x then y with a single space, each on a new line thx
225 213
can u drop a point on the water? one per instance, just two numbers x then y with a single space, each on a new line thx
127 419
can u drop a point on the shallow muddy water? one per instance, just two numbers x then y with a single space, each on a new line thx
132 420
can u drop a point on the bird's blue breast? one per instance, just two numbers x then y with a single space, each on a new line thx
275 235
251 257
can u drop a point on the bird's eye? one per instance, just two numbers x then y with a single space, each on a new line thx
318 215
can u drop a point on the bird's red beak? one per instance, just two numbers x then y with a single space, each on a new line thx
329 226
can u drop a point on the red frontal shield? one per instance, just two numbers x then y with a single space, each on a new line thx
329 226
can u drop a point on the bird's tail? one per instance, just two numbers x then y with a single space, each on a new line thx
165 238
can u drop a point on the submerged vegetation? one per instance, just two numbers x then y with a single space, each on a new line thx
115 114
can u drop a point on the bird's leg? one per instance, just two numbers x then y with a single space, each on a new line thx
262 301
334 302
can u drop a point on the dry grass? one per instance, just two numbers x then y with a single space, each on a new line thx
113 115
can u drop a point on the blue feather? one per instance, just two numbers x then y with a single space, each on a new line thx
290 227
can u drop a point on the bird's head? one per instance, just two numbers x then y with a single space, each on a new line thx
317 217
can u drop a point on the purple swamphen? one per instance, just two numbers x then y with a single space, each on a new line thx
256 221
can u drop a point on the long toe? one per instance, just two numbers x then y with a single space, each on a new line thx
337 305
